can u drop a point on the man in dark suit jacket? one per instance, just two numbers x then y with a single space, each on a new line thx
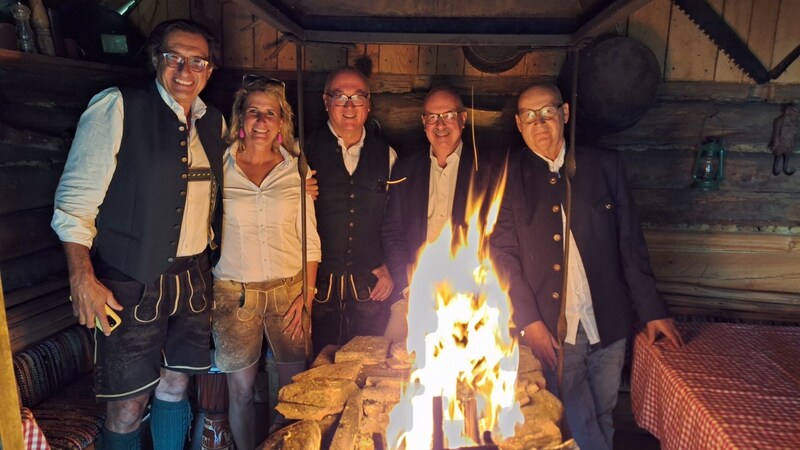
428 190
609 271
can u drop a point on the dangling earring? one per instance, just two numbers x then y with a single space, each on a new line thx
279 139
241 133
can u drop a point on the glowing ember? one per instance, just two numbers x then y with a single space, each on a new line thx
459 321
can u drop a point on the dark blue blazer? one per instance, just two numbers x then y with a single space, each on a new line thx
527 244
405 222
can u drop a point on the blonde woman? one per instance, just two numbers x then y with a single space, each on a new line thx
258 286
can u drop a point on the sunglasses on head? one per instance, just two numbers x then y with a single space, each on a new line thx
249 80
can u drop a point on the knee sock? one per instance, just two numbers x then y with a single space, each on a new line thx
119 441
169 424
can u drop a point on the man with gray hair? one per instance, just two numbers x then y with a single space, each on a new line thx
609 269
134 210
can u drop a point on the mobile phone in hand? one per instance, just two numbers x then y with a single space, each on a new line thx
113 319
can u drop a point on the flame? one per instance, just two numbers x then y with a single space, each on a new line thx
459 319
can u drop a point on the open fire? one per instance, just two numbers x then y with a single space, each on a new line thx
466 358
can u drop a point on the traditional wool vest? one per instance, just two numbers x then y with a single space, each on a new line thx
350 207
139 222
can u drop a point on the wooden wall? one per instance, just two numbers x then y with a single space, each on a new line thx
734 249
41 99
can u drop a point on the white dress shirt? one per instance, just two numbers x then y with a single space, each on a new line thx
351 155
92 161
441 190
579 307
261 225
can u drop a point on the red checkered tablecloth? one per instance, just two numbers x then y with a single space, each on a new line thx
31 433
732 386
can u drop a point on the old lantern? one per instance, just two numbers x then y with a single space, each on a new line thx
709 164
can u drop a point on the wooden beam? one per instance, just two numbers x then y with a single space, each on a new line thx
270 14
10 419
538 41
612 14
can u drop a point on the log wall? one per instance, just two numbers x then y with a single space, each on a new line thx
726 252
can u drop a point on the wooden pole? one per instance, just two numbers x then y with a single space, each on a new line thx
10 418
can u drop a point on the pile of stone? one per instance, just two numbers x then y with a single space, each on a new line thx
343 401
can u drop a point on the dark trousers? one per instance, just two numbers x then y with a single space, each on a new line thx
339 320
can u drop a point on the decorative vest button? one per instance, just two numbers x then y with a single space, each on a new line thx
351 224
184 159
556 208
556 267
183 193
184 176
556 237
176 226
181 128
608 205
178 210
555 295
173 243
183 143
170 259
352 211
352 195
352 182
553 180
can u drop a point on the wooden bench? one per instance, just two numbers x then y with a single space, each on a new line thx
54 380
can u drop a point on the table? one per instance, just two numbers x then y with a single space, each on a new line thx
732 386
31 433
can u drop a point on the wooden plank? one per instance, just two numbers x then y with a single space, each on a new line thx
750 296
287 56
717 208
426 63
544 63
737 14
650 25
324 58
731 242
729 309
450 60
746 172
35 307
761 40
266 45
237 36
26 232
10 135
680 126
399 58
33 269
10 420
28 333
690 54
787 37
23 295
28 187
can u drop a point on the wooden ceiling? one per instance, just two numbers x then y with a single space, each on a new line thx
524 23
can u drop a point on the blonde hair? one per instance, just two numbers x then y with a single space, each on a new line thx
273 89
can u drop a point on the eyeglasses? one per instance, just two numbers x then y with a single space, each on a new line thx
341 99
195 63
527 116
249 80
447 117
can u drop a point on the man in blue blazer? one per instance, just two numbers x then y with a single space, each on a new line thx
609 271
429 190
